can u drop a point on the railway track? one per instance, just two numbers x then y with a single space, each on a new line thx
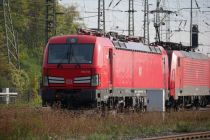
96 111
187 136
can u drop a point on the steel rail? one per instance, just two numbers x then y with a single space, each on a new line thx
187 136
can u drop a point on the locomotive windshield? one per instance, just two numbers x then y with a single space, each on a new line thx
70 54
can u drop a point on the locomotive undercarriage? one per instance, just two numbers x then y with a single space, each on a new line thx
101 99
121 104
122 100
106 100
187 102
68 98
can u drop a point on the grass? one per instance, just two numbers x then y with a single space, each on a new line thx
26 122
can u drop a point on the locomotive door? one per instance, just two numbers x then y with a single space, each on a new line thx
172 83
110 71
165 65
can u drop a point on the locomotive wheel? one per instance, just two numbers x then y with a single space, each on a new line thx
56 105
120 106
44 103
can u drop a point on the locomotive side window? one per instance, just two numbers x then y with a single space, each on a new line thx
58 53
122 45
158 50
153 49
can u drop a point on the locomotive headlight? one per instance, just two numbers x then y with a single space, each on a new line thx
45 81
95 80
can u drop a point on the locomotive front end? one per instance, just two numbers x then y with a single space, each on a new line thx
69 73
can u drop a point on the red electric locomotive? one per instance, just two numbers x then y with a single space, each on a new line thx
189 79
89 70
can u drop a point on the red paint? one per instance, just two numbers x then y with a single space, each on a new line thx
116 68
119 68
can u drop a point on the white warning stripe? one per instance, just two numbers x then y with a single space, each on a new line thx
82 82
56 78
82 78
56 82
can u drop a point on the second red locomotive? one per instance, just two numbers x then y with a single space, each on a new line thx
189 78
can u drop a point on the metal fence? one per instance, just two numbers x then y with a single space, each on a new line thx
7 96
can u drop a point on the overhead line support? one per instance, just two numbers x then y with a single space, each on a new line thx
131 18
11 40
101 16
146 22
50 16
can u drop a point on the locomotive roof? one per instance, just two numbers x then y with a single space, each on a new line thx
194 55
133 46
80 38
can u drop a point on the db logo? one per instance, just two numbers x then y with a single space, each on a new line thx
69 81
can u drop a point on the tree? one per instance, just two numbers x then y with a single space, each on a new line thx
29 23
66 23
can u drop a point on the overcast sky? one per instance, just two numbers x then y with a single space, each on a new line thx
118 21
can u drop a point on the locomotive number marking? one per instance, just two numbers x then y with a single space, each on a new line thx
85 71
69 81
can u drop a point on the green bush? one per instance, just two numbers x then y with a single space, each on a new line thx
183 126
20 80
97 136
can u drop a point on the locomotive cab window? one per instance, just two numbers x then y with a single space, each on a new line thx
81 53
70 53
58 53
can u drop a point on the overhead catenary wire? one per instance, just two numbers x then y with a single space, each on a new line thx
110 3
117 3
87 12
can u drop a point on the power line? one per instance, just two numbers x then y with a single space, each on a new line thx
117 3
88 17
110 3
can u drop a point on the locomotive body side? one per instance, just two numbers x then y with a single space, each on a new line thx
137 71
